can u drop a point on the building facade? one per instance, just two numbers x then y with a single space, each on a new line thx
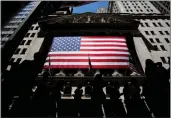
147 34
16 22
155 29
102 10
132 7
162 6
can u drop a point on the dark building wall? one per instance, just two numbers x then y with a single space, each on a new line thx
9 9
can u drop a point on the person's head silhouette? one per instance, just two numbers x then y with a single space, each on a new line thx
37 56
98 77
149 62
79 86
159 64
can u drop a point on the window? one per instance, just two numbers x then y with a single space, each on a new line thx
144 6
151 40
158 41
18 60
141 24
162 47
147 24
152 32
161 32
155 47
32 27
168 58
168 24
23 51
160 24
36 28
17 51
147 33
147 10
155 24
151 10
22 42
28 42
163 60
167 32
32 35
12 60
167 40
27 35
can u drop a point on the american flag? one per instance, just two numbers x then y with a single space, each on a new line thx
76 52
131 66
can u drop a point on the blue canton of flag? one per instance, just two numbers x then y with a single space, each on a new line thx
66 44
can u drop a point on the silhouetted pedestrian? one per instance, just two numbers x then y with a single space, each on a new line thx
115 94
77 97
78 92
98 96
126 93
109 88
146 90
150 70
28 70
162 77
67 89
88 89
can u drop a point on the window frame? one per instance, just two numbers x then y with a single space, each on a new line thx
23 51
163 48
163 60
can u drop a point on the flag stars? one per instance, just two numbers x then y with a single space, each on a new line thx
66 44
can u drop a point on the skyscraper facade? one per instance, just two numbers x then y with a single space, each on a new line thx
132 7
154 27
162 6
10 28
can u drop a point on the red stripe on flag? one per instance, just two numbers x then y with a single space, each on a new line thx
86 66
104 50
104 45
86 60
68 66
90 37
104 41
110 66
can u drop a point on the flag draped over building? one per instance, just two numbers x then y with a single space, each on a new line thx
132 66
78 52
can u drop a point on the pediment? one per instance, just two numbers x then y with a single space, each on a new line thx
89 18
89 21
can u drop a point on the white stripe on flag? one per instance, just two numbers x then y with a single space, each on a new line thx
101 47
86 63
90 52
102 39
86 57
101 43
